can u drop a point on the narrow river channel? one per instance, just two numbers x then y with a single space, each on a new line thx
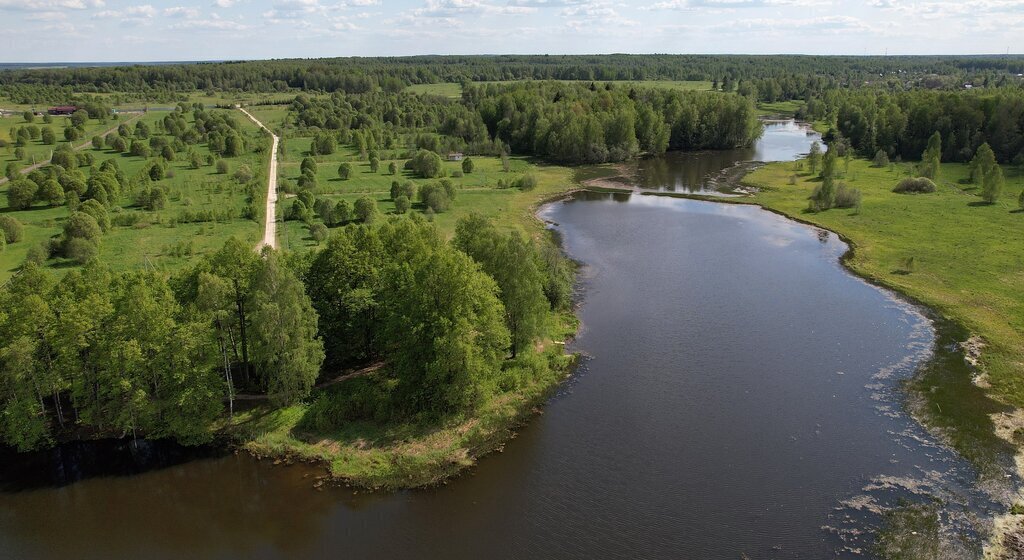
739 395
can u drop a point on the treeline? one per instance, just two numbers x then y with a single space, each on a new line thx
900 124
361 75
576 123
393 121
563 122
144 354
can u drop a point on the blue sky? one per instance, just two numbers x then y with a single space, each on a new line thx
118 30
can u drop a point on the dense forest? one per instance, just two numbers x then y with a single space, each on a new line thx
144 353
901 123
772 77
561 122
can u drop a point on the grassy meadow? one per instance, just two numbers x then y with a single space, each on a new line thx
477 191
156 239
948 249
36 150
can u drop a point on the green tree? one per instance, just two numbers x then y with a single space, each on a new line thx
814 158
12 171
342 282
931 158
392 168
286 350
365 209
402 204
992 184
345 171
97 142
51 193
21 193
308 164
467 165
444 319
512 262
982 163
12 228
48 137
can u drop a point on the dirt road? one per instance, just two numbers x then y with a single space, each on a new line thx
81 146
270 227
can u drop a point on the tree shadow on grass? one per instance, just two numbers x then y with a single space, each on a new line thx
978 203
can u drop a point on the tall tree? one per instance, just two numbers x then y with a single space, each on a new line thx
286 349
932 157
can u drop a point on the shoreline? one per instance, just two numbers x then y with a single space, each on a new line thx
1007 534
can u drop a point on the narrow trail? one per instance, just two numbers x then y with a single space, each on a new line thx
270 225
82 146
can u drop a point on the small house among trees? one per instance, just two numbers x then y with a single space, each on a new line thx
455 156
62 110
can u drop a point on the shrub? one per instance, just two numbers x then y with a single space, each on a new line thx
80 250
402 204
11 228
915 185
21 194
345 171
223 167
243 174
365 209
81 226
847 197
38 253
318 232
527 182
427 164
881 159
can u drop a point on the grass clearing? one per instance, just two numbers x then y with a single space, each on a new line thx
968 256
154 239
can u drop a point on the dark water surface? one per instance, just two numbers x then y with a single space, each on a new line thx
739 395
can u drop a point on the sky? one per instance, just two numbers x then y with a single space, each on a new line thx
160 30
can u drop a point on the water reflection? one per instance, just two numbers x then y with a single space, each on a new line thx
705 171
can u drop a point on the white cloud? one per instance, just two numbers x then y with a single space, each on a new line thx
181 12
49 5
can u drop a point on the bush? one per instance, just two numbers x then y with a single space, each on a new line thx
402 204
467 165
223 167
318 232
881 159
38 253
21 194
915 185
244 174
847 197
365 209
81 226
11 228
345 171
527 182
427 164
80 250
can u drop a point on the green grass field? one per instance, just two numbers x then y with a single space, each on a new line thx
36 151
968 257
478 192
155 239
